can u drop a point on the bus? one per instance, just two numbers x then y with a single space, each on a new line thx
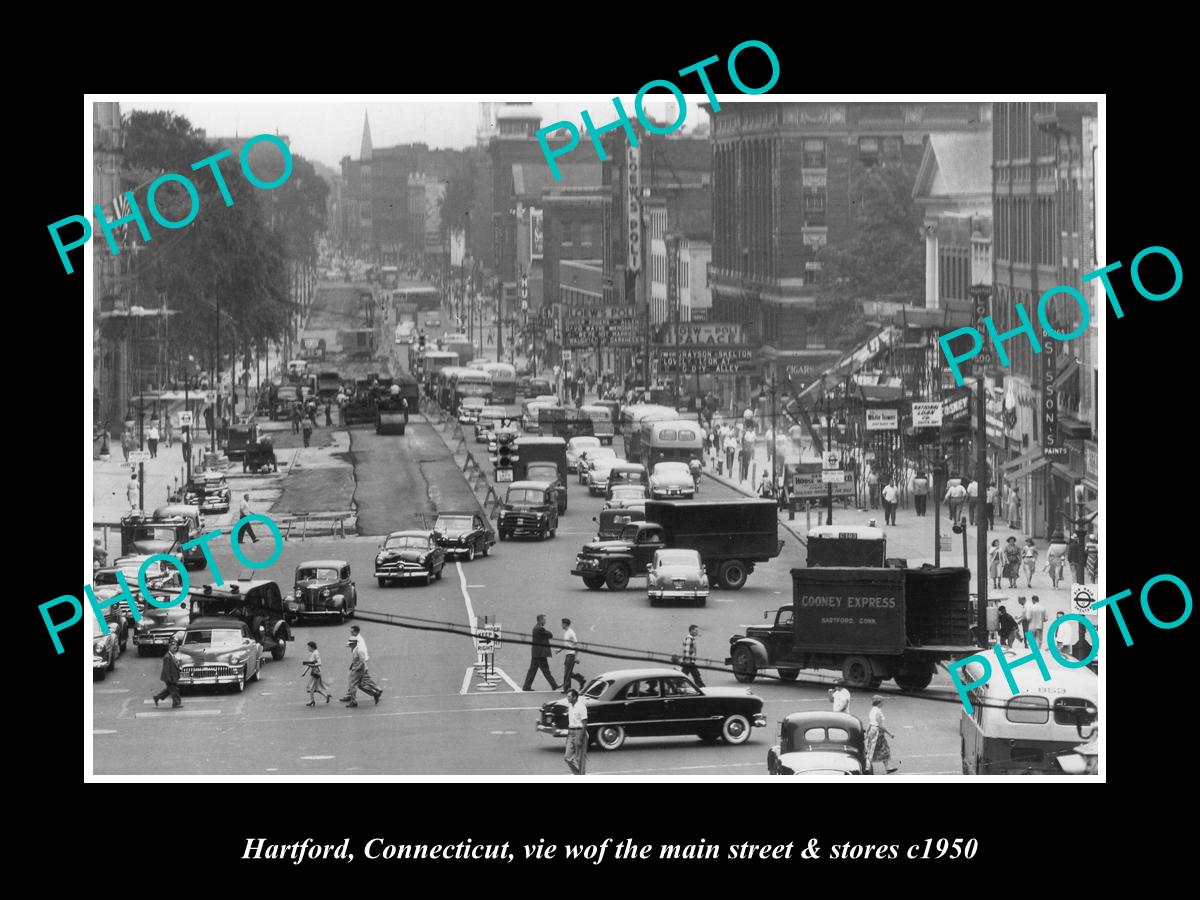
431 363
677 440
632 418
1023 734
426 297
504 381
466 382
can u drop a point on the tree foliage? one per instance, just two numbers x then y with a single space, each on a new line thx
884 259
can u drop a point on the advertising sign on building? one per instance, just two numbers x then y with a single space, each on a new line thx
927 415
704 361
1052 445
673 277
707 334
535 232
956 406
458 247
809 481
883 419
633 206
587 326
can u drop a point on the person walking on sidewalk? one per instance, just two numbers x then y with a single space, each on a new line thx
766 490
955 495
920 492
891 500
296 418
131 492
170 677
1029 555
972 500
1036 618
1014 508
995 560
688 659
1012 561
126 444
307 430
328 415
243 511
314 682
991 502
572 644
152 440
539 655
730 445
839 697
1007 626
575 755
873 490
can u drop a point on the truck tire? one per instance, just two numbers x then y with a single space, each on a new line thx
857 671
733 574
593 582
914 679
744 666
617 577
789 674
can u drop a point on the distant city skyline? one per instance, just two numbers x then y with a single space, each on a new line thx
327 131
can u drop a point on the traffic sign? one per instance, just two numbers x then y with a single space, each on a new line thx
210 397
487 638
185 418
832 476
504 475
139 456
927 415
830 461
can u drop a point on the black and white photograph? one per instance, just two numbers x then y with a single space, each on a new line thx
674 437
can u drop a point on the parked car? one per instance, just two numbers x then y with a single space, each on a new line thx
257 603
105 650
588 455
463 534
677 575
409 554
657 702
219 650
323 588
209 491
577 444
672 481
819 743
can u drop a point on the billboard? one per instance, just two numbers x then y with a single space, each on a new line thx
535 233
700 361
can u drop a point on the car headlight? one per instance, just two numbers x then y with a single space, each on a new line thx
424 558
326 593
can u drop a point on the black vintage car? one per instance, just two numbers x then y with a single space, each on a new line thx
816 744
656 702
463 534
409 554
323 589
209 491
257 603
260 456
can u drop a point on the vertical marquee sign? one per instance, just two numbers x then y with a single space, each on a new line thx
633 169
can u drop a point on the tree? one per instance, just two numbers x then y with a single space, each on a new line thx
884 258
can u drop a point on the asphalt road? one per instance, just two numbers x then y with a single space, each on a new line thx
436 716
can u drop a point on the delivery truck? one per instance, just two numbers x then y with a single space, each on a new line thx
543 459
731 536
870 623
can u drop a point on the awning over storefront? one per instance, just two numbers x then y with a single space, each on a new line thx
1070 474
1026 464
1068 371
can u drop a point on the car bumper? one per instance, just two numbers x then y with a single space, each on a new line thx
551 730
208 676
581 569
672 495
455 550
313 613
401 573
682 594
759 721
525 528
156 638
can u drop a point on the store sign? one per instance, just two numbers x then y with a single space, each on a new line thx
614 326
1052 445
535 233
956 406
673 277
812 484
633 206
927 415
1091 459
702 361
883 419
691 334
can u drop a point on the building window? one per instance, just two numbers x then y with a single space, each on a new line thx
566 234
585 234
814 201
814 153
892 148
868 151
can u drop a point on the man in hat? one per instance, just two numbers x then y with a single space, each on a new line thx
170 677
839 696
360 678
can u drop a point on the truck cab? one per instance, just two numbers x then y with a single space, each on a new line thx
613 563
529 508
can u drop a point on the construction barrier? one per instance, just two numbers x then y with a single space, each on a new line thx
301 525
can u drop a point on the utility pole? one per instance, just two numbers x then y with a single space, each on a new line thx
499 320
981 519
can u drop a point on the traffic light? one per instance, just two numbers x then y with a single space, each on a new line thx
421 342
506 455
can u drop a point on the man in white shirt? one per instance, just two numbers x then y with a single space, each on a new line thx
972 500
362 642
577 737
572 644
840 698
891 499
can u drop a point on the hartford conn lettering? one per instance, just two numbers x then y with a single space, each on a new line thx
1085 313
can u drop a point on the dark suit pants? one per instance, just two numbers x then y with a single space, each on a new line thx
538 664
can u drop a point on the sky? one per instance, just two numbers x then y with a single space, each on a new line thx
327 131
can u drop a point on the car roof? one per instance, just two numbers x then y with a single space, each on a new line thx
214 622
824 718
669 464
412 532
634 674
820 759
243 587
455 512
630 465
675 552
316 563
177 509
539 485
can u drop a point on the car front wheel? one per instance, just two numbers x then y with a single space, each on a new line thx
610 737
744 667
736 729
617 577
279 650
383 582
471 553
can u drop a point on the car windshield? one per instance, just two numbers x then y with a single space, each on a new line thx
596 688
154 533
453 523
672 470
580 443
543 472
407 542
213 636
526 495
679 558
316 574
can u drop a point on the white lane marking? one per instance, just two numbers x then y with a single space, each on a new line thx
512 684
177 712
272 770
682 768
109 731
110 690
316 757
501 732
476 585
466 684
462 580
150 701
417 712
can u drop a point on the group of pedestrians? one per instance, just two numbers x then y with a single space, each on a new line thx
878 749
1013 560
1032 622
360 678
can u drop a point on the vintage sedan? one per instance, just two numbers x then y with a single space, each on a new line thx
215 493
470 409
677 575
219 650
105 650
154 632
672 481
816 744
626 495
409 554
590 455
598 473
117 615
576 445
657 702
463 534
323 589
490 418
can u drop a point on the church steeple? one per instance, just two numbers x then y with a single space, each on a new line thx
365 152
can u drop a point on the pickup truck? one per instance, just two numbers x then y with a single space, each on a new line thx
730 536
871 623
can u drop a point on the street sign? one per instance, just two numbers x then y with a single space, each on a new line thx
808 484
566 356
883 419
944 541
139 456
927 415
185 418
487 638
210 397
504 475
831 461
832 476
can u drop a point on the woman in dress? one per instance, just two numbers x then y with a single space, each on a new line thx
1029 555
315 683
1012 561
878 748
1056 557
995 560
